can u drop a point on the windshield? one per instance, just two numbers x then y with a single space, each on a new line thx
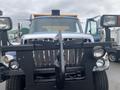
54 24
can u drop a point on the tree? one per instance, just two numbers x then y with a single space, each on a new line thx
24 30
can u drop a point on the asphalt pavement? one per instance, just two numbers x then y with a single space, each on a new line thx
113 77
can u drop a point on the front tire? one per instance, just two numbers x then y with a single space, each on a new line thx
15 83
112 57
100 80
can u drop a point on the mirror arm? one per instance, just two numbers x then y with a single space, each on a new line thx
3 38
108 34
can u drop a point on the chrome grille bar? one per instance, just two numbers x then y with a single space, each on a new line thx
46 58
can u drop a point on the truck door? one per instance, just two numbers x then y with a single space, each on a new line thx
92 28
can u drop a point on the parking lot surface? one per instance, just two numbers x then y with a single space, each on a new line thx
114 76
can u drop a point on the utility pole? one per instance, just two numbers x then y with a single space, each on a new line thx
19 27
1 13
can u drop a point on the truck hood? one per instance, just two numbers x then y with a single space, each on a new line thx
53 36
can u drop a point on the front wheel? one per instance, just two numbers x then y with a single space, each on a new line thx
100 80
112 57
15 83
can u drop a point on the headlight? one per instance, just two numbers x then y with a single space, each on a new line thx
6 59
100 63
14 65
98 52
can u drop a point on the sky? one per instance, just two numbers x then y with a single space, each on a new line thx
22 9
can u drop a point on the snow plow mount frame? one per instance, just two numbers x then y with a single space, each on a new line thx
24 55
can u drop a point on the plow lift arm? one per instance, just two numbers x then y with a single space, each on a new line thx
60 67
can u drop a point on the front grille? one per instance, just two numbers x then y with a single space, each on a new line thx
47 58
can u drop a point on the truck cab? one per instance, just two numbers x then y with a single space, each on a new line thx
47 26
93 28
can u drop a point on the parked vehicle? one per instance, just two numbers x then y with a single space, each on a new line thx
99 33
55 55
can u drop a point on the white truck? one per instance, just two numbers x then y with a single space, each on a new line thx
99 33
54 55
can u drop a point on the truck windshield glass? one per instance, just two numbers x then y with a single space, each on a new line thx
54 24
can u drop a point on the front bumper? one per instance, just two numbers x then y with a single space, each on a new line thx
26 60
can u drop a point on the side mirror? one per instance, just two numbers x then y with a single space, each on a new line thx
5 23
110 21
